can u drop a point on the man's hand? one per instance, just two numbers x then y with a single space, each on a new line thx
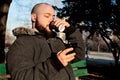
64 57
58 22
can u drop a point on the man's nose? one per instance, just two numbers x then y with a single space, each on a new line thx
52 18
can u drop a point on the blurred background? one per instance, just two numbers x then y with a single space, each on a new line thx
98 20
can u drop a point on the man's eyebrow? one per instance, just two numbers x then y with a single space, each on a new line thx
49 14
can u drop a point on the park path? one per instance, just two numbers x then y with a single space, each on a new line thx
100 58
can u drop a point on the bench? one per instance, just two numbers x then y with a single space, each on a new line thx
3 73
79 68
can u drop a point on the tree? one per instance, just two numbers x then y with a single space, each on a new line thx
102 13
4 6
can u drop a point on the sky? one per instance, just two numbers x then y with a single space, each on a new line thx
19 12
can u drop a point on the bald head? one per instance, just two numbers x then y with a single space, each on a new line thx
41 15
40 7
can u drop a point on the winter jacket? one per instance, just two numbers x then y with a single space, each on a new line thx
33 56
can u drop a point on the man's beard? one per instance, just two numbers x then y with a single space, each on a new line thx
44 31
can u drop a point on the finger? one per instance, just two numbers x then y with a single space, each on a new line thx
70 57
67 51
58 23
59 52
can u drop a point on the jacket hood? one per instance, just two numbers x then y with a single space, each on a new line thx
20 31
23 31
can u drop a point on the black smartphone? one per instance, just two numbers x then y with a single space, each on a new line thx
73 45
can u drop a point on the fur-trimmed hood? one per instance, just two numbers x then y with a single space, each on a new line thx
19 31
23 31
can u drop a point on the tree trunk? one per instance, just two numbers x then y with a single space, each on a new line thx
4 7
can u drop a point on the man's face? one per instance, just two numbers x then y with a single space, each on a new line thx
44 17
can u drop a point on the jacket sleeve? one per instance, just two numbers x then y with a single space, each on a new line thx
22 65
74 37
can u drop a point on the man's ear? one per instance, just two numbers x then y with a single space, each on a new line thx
33 17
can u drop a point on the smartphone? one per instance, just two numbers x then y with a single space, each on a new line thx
73 45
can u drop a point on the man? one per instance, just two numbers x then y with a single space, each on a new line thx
38 54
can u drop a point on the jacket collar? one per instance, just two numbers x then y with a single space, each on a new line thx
20 31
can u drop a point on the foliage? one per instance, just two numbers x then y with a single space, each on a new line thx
101 17
96 11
